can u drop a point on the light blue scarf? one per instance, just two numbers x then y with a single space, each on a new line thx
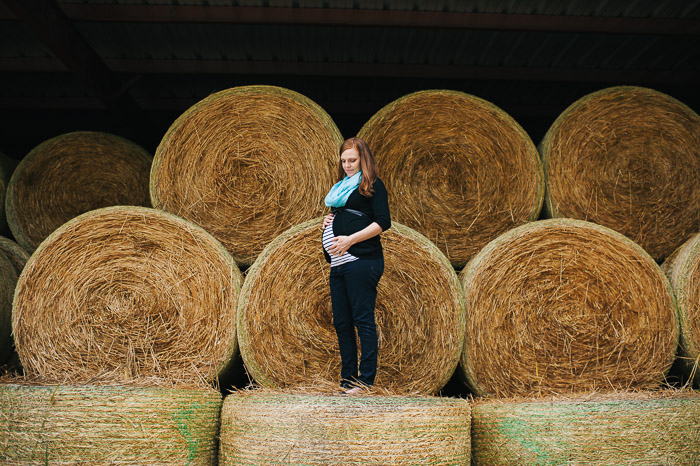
339 193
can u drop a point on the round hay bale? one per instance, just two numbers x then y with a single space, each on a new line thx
458 169
260 428
15 253
17 257
642 429
69 425
285 330
565 305
683 270
124 292
71 174
8 281
7 166
246 164
627 158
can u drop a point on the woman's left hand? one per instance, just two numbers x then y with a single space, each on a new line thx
340 245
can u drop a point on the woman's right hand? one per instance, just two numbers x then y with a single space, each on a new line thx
328 220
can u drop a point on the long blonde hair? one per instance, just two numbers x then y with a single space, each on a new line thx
367 164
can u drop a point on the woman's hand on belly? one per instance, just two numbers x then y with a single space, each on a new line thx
327 220
340 245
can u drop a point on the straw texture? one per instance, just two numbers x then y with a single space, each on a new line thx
683 270
246 164
645 429
458 169
627 158
71 174
8 280
285 328
261 428
70 425
125 292
565 305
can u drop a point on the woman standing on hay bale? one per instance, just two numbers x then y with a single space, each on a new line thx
360 213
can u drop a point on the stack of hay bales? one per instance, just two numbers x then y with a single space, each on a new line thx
71 174
267 428
627 158
136 296
683 270
565 305
121 296
246 164
285 329
457 168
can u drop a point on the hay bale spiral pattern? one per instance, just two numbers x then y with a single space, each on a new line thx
246 164
101 426
627 158
126 292
71 174
285 329
458 169
683 270
565 305
276 428
644 429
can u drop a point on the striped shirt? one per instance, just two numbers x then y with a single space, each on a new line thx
328 242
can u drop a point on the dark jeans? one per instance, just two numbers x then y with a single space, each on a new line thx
353 296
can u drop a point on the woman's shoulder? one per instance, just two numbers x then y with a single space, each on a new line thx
378 184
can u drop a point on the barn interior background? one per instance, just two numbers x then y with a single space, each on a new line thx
131 67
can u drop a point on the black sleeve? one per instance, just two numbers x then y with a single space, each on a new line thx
380 205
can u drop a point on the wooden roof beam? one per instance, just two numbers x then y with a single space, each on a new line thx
50 25
378 18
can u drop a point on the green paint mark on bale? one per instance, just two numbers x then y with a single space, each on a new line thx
183 419
622 429
521 432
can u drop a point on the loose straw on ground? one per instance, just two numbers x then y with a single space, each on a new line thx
635 429
101 426
246 164
683 270
564 305
125 292
458 169
627 158
69 175
261 428
286 335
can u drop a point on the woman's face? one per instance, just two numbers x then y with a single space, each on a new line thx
350 160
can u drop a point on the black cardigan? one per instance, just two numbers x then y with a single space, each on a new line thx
375 208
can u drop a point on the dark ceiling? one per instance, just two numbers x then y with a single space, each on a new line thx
131 67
